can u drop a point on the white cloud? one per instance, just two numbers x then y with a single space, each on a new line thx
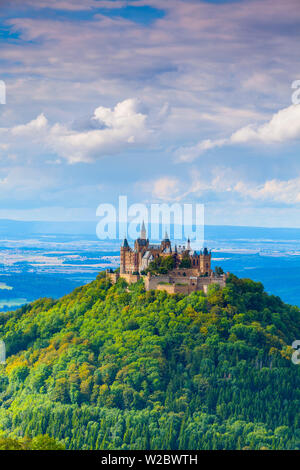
227 184
22 184
287 192
284 126
164 189
120 128
35 126
188 154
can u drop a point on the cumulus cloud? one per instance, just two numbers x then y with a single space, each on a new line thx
227 184
224 184
171 188
287 192
30 129
284 126
117 130
164 189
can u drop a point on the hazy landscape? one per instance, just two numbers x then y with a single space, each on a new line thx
36 261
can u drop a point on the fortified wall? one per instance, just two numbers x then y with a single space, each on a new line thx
180 282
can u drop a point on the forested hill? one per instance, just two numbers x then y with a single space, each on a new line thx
111 367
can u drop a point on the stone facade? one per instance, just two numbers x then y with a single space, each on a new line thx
137 260
198 274
177 284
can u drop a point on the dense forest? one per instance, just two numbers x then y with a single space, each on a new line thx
116 367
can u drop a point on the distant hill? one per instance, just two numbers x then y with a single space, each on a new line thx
112 367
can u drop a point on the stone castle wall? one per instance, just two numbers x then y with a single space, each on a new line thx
151 282
130 278
174 282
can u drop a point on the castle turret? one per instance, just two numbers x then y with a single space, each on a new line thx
143 235
188 245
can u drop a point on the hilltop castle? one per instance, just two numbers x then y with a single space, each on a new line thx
188 270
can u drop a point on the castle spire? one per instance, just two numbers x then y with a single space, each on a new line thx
143 232
166 236
125 243
188 245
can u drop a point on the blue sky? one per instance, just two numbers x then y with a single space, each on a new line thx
175 100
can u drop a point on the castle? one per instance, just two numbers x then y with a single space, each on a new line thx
188 271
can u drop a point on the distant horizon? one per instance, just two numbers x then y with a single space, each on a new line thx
96 220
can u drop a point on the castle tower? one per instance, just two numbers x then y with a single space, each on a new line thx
143 235
166 244
124 256
205 262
